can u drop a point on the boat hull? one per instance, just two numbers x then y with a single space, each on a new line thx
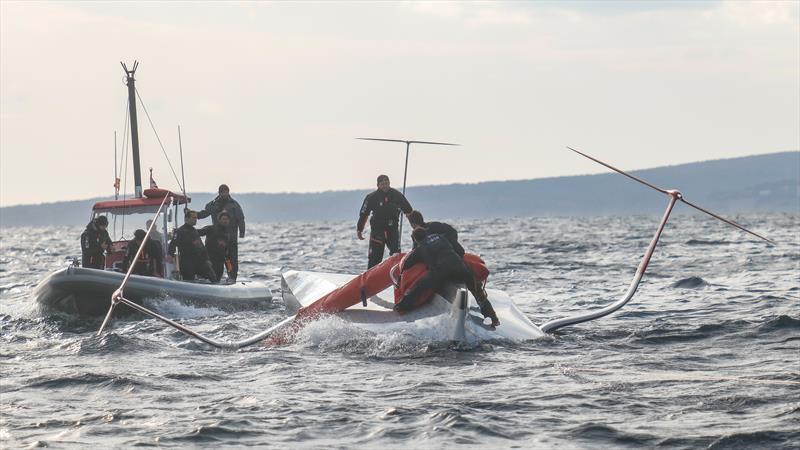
301 289
87 292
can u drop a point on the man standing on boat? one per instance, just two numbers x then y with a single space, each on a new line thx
224 202
218 244
193 255
385 205
95 242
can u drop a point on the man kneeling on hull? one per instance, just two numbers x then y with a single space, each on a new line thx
444 265
447 231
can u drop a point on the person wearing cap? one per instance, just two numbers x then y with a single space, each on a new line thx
193 255
385 204
151 259
224 202
95 242
218 244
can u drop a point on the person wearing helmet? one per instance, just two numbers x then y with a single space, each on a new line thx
385 205
151 259
95 243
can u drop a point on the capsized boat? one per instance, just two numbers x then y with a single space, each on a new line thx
88 291
313 294
444 312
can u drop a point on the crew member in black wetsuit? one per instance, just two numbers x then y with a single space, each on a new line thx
95 242
444 265
385 205
151 260
193 256
417 221
224 202
217 244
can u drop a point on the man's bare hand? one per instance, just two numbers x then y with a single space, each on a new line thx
360 235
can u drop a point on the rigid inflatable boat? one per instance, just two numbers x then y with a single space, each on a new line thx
88 291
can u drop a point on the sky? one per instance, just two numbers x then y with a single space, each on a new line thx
271 96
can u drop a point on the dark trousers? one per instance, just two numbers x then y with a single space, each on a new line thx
453 271
201 268
218 264
378 239
233 250
93 262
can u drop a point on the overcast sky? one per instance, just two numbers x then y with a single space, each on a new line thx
270 96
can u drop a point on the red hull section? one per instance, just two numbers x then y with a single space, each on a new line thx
415 273
363 286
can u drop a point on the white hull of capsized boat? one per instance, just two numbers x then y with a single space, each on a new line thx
79 290
436 319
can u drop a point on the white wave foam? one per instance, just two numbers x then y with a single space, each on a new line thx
175 309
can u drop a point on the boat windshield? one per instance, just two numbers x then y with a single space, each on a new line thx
122 226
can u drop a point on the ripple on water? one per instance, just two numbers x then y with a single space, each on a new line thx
704 356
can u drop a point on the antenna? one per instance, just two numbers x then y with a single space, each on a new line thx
405 171
679 196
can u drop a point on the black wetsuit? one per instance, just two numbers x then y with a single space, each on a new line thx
448 232
444 265
235 229
194 258
384 223
92 253
217 246
151 260
439 253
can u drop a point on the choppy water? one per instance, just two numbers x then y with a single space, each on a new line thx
706 355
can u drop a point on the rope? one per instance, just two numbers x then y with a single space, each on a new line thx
163 150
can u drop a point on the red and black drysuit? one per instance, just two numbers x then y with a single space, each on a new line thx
384 223
194 257
218 248
92 240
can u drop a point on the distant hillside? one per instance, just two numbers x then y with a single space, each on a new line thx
749 184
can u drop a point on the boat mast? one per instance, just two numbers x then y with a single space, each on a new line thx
130 82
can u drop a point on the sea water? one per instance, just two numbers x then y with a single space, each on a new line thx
707 354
